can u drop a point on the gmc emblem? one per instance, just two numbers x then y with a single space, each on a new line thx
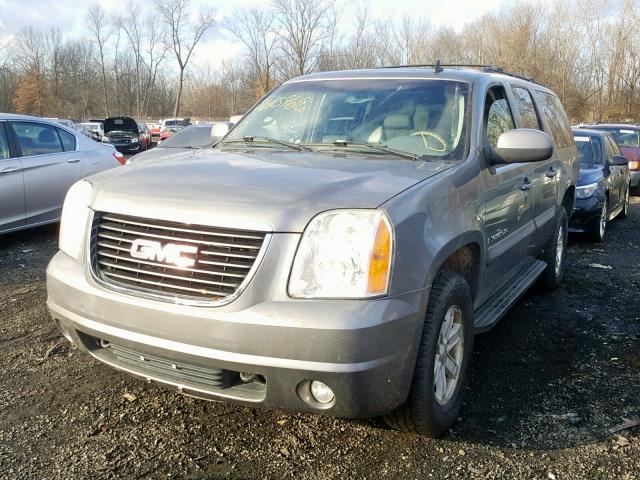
144 249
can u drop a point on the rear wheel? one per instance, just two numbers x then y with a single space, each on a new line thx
597 234
554 253
440 373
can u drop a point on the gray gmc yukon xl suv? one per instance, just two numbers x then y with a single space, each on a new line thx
335 253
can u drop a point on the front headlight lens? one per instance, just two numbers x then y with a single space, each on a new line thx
343 254
634 165
586 191
134 140
75 215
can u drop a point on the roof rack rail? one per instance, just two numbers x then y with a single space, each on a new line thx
438 67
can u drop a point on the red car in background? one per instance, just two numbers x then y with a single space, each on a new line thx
628 138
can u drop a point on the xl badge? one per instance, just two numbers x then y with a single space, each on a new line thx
169 253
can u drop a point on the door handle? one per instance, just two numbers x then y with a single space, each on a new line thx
73 160
9 169
526 185
551 173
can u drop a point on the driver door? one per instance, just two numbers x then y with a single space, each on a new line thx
508 197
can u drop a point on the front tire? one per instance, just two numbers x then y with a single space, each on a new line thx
444 354
625 209
555 252
597 234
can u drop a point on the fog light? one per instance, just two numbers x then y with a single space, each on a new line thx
321 392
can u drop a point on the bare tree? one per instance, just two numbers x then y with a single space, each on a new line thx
303 27
98 24
255 28
184 33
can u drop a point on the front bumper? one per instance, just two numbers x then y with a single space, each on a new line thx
586 214
128 148
365 350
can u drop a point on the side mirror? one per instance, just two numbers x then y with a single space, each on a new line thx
219 130
523 145
619 161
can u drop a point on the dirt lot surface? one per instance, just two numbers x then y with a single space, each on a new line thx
548 384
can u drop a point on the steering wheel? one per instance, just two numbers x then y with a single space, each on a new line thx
425 134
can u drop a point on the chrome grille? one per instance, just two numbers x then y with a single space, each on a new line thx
222 261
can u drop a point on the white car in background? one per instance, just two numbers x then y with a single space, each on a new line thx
39 161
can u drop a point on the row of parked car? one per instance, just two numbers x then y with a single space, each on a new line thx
128 135
337 250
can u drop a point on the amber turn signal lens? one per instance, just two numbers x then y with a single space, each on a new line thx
380 259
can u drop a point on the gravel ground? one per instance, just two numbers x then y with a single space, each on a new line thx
547 385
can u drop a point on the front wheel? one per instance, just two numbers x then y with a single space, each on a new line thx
625 208
597 234
555 252
440 373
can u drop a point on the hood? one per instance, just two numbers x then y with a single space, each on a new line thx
271 190
120 124
631 153
590 175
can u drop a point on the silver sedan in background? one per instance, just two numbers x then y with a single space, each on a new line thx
39 160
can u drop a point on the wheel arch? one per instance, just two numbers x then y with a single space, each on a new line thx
463 255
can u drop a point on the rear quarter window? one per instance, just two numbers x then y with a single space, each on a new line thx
68 140
551 109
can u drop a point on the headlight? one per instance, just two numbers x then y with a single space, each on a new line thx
343 254
634 165
586 191
75 215
134 140
105 139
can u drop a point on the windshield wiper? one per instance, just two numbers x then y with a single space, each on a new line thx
373 146
252 139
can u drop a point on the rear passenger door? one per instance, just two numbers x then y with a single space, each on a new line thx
616 174
11 186
556 170
50 164
508 201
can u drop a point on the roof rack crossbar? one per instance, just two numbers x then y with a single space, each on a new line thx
483 67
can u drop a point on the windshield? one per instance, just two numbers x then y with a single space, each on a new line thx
589 149
194 136
426 118
625 137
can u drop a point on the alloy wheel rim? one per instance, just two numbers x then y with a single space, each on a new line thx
559 249
626 202
449 353
603 219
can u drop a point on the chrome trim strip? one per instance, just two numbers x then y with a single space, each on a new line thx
106 253
111 218
168 298
188 240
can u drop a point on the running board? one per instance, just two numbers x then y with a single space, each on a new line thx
491 311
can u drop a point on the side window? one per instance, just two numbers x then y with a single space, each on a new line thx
497 115
526 108
556 118
610 148
614 146
4 144
68 140
37 138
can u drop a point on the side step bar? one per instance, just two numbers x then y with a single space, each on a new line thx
491 311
